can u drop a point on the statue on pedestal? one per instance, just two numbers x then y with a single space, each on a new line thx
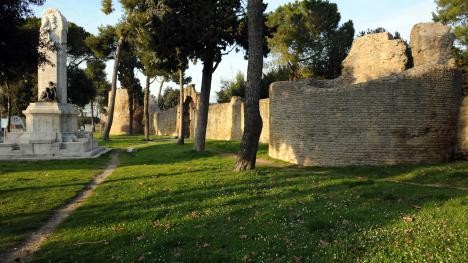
52 123
49 94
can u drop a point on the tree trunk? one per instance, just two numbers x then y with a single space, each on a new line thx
110 110
131 108
247 155
146 114
9 106
180 140
93 125
203 107
160 89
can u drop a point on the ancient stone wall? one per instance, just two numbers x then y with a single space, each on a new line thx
410 117
462 139
120 123
431 43
164 122
225 121
265 113
374 56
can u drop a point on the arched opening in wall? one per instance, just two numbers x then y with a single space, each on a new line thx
188 104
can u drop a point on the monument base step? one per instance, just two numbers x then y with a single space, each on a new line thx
19 156
82 146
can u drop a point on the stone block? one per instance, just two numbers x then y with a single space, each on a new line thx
374 56
431 44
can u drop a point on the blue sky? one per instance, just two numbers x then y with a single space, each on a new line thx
394 15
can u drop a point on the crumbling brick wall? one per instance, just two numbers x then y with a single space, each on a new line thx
410 117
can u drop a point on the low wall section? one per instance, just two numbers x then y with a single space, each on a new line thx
462 146
225 121
411 117
164 122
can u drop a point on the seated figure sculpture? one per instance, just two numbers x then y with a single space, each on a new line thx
49 95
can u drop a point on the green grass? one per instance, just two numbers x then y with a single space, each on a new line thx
31 191
124 141
168 203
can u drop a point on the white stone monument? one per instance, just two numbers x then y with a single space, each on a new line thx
51 123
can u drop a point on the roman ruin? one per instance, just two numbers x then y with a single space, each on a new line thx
390 106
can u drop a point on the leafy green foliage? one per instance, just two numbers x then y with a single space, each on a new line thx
80 88
95 71
236 87
308 38
169 99
274 74
107 7
18 45
454 13
104 44
232 88
396 35
77 49
22 71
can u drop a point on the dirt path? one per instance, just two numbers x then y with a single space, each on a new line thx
24 252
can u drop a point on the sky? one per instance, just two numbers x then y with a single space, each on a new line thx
393 15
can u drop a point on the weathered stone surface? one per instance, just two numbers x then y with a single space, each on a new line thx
165 122
462 140
431 43
374 56
121 121
53 33
410 117
225 121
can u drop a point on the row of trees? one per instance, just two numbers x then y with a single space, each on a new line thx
164 36
160 37
306 39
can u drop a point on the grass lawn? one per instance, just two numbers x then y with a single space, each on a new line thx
31 191
168 203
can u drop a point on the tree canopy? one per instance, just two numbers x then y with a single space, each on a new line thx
309 39
169 99
454 13
231 88
18 45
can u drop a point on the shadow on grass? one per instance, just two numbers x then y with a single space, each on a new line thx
31 191
168 213
163 154
50 165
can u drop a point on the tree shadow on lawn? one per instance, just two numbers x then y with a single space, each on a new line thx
31 191
452 174
43 166
265 215
162 154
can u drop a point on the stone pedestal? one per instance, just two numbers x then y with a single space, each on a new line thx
47 121
51 133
